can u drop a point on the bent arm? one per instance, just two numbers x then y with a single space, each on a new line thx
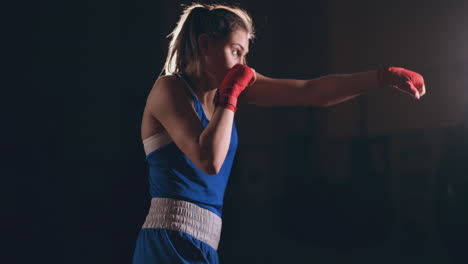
318 92
205 147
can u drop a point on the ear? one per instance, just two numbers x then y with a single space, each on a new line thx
203 40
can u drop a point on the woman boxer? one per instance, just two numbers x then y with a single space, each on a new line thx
189 134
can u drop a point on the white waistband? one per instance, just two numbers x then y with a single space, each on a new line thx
186 217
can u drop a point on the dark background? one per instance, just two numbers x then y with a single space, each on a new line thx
378 179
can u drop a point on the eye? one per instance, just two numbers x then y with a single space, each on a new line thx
236 52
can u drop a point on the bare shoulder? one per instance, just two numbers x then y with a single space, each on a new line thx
166 84
167 92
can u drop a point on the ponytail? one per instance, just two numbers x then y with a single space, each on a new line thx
216 20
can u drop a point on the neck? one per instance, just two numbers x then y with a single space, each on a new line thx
205 88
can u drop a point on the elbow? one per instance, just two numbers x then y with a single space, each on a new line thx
211 158
325 104
209 164
209 161
314 95
211 167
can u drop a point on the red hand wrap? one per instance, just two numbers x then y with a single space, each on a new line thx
402 79
235 81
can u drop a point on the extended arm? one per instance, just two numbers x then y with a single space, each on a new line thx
327 90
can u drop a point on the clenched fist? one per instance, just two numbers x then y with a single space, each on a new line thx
404 80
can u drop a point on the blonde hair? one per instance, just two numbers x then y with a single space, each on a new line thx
218 21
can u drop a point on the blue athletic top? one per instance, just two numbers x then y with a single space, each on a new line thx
173 175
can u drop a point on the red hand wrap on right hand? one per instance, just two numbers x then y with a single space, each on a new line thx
235 81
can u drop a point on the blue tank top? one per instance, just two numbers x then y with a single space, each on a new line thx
173 175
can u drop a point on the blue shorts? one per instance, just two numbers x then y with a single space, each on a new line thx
155 245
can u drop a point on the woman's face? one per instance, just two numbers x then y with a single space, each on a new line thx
223 54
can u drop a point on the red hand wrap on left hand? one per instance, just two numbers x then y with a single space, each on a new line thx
405 80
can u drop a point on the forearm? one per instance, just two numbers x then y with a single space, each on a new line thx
216 137
337 88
